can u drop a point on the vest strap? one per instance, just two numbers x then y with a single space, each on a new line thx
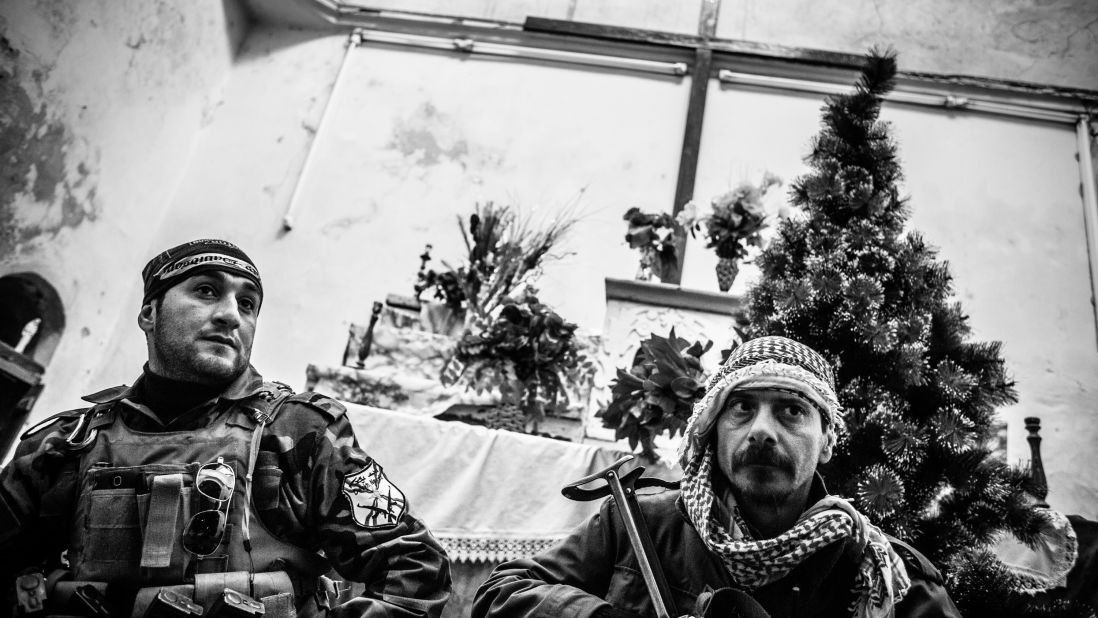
253 454
160 529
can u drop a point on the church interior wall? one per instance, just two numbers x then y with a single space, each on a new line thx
138 125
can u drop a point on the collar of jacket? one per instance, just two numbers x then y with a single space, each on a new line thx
244 386
247 386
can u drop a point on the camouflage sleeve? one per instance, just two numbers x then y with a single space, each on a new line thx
362 522
37 488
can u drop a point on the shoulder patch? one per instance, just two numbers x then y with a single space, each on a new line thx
330 407
916 561
61 416
375 501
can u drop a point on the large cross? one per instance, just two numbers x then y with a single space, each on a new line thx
701 53
697 51
700 68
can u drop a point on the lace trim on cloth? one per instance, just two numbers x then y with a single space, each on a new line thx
484 548
1046 564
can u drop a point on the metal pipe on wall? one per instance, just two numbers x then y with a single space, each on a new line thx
288 217
1090 206
940 101
472 46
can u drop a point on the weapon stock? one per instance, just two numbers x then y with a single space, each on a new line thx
623 488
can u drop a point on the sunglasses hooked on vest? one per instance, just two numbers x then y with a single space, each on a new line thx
165 526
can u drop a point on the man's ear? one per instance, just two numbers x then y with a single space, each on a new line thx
830 437
146 317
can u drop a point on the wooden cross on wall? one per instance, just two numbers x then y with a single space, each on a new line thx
700 68
695 114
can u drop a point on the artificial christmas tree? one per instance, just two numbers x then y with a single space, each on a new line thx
920 397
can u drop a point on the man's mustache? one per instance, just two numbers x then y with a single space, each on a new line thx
758 455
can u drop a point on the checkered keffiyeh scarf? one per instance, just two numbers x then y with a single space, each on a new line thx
881 581
783 364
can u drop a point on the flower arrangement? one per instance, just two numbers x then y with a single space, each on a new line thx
529 354
657 393
511 342
734 224
503 253
653 236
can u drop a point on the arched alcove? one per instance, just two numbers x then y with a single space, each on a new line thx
25 298
31 321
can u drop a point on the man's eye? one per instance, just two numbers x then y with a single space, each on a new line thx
795 410
739 407
247 304
206 289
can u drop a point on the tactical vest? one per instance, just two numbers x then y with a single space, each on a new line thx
137 497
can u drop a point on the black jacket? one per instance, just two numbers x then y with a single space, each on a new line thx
596 566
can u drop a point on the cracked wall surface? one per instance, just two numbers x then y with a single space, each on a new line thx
130 125
100 103
48 182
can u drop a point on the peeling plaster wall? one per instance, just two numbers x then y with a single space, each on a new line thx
100 103
240 176
1051 42
120 139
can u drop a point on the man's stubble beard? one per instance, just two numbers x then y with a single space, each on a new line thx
767 484
182 362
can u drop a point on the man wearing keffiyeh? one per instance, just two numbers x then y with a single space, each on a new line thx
752 530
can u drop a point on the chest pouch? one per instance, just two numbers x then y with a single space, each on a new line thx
134 518
273 592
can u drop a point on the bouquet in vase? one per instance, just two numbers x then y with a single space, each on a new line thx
734 224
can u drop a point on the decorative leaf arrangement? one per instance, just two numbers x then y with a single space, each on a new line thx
512 343
654 236
503 254
657 393
735 223
529 354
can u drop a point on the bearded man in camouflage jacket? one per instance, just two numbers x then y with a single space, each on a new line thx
204 488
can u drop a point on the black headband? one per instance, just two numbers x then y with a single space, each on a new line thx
179 263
